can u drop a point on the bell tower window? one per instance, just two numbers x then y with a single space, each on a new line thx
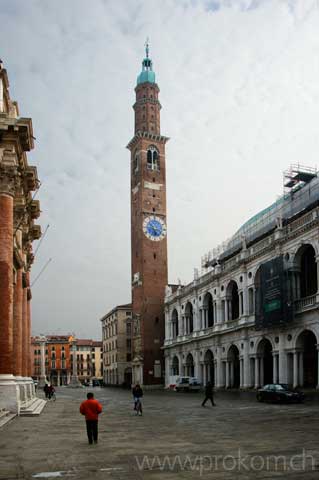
153 159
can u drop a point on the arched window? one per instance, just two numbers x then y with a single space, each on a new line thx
153 159
175 323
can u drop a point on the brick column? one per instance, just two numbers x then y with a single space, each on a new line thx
24 327
28 352
17 325
7 185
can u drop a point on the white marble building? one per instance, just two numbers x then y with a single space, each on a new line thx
210 324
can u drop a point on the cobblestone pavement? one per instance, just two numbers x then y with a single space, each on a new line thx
175 439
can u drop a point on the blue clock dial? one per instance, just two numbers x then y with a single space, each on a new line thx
154 228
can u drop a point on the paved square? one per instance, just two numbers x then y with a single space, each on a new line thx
175 439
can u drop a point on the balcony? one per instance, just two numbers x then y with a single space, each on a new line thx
306 303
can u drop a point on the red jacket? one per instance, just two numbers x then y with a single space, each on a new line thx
91 409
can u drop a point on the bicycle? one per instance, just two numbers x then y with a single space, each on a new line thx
138 406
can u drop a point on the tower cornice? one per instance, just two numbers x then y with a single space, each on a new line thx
149 136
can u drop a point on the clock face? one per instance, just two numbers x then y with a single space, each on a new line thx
154 228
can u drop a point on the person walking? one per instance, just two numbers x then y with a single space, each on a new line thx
91 408
209 394
137 395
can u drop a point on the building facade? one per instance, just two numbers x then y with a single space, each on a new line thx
148 229
52 359
18 211
89 355
252 317
58 361
117 332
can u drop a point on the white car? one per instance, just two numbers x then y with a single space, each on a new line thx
187 384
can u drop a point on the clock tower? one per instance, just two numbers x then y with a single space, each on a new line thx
148 230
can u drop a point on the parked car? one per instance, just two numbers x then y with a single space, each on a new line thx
280 393
187 384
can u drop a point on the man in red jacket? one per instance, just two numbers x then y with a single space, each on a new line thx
91 408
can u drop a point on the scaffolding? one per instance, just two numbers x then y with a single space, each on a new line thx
301 190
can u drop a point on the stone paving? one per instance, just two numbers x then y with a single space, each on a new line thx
175 439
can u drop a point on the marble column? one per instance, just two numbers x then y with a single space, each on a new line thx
318 366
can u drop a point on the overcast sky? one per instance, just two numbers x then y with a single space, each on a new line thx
239 84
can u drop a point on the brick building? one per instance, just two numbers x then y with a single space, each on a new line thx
117 330
18 212
58 361
148 230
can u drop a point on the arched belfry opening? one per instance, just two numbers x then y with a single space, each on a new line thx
153 159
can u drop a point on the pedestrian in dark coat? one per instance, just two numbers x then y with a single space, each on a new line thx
91 408
209 394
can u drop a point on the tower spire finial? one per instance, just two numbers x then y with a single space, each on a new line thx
147 46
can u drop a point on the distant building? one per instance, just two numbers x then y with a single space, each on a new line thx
117 330
59 361
89 359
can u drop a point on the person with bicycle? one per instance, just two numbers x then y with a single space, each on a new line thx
51 392
137 395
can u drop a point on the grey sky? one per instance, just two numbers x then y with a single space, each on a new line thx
239 84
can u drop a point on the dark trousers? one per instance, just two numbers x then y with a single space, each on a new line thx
209 397
91 429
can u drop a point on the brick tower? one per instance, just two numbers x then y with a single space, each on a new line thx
148 229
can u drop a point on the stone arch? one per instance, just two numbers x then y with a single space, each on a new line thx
189 318
174 320
307 359
265 357
305 280
208 310
233 366
209 367
232 298
175 365
189 365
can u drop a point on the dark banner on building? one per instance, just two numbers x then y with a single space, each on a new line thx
273 304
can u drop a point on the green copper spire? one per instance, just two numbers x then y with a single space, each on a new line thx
147 74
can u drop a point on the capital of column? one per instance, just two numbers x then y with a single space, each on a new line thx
9 179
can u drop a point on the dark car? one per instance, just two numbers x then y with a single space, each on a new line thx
280 393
